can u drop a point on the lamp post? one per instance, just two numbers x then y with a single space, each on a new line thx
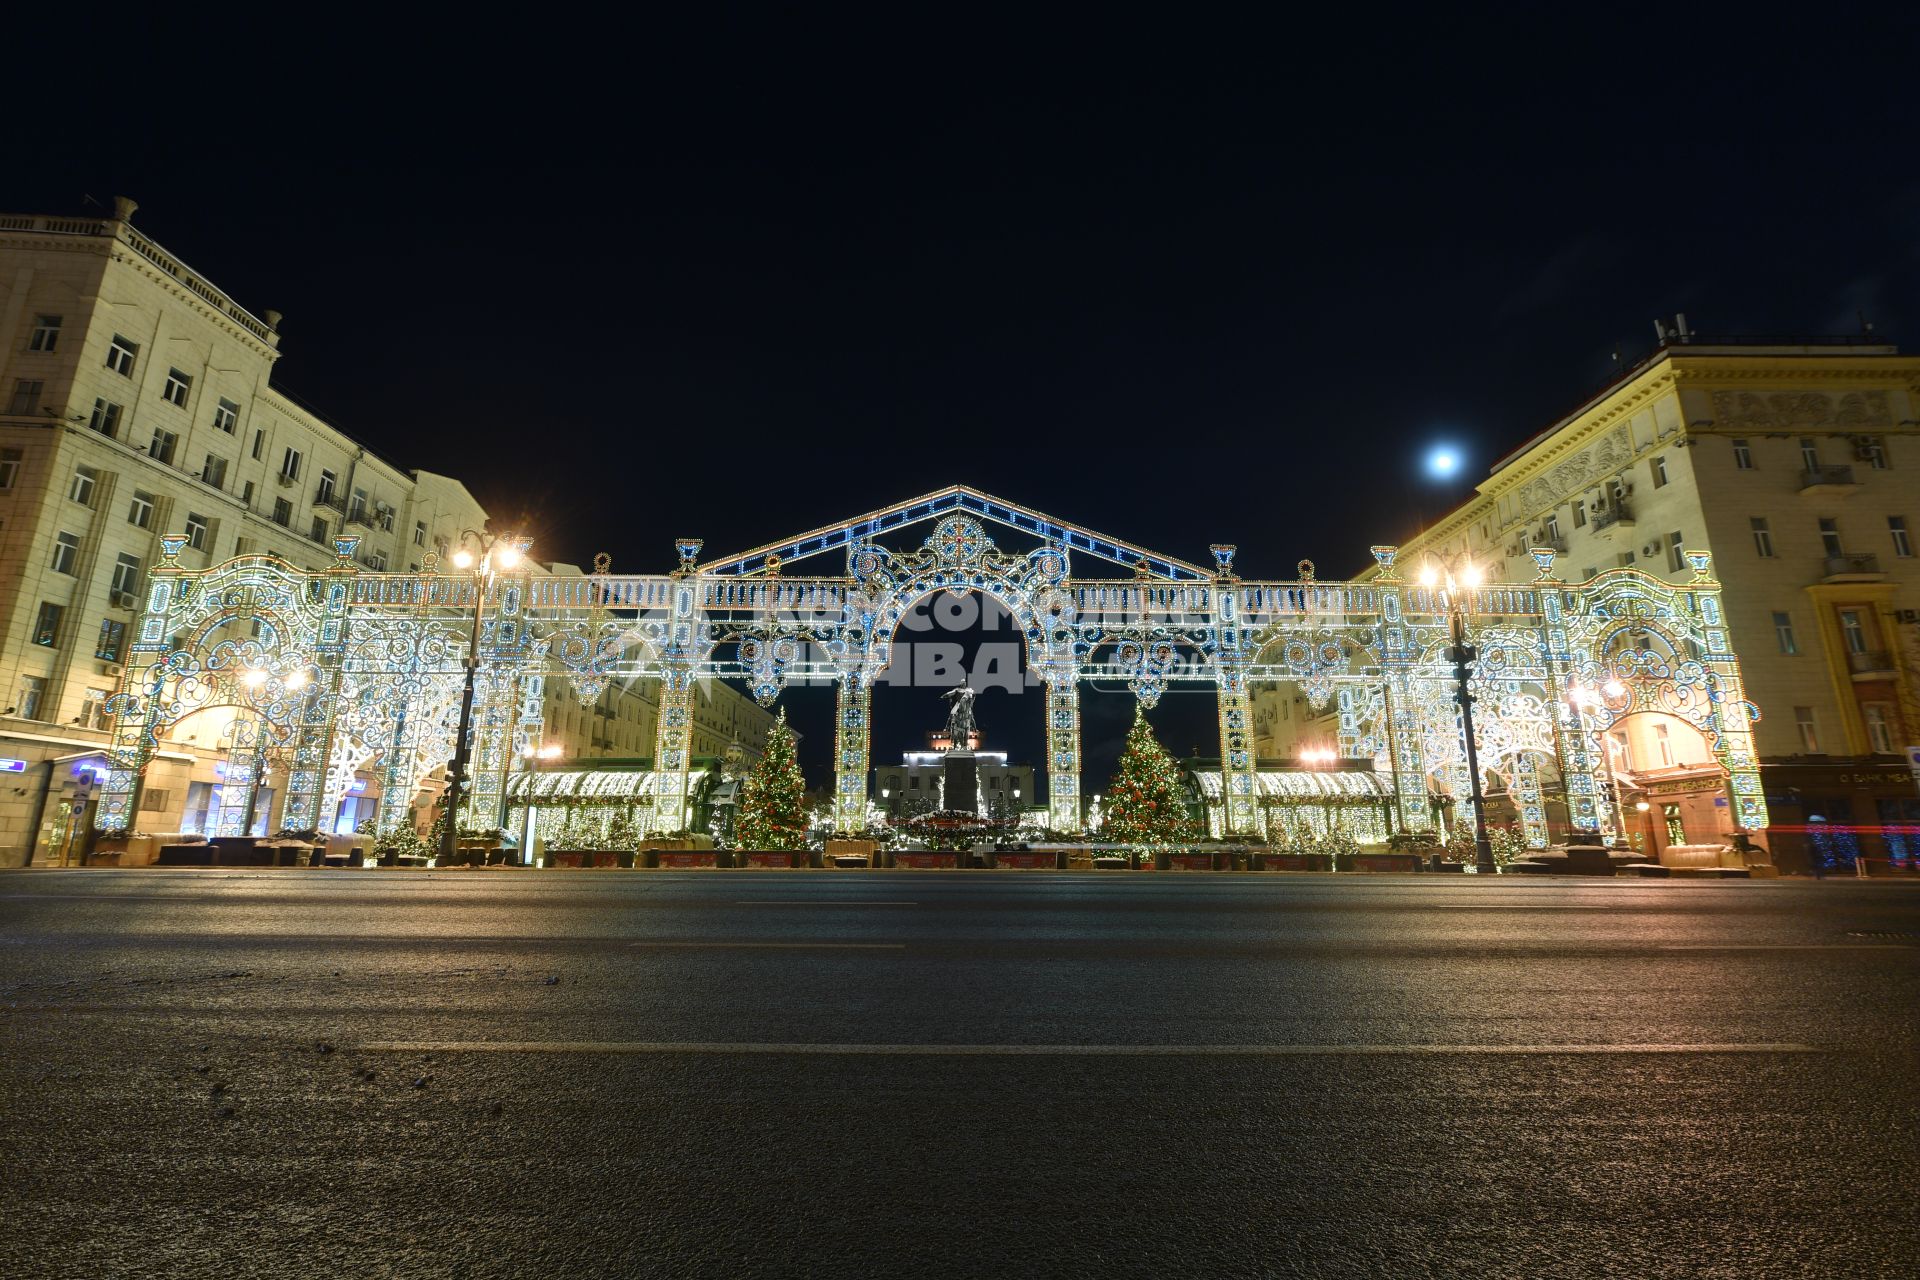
1462 655
502 552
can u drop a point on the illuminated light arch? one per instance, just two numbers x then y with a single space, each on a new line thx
396 642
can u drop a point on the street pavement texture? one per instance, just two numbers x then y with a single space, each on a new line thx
572 1074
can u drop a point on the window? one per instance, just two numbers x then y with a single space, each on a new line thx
1676 829
1874 450
112 642
1579 515
215 472
162 446
226 415
33 690
1830 537
1879 718
106 417
1588 573
1897 529
259 442
196 531
1676 558
1659 470
1626 559
1852 631
319 532
358 509
290 463
377 561
66 550
26 397
175 392
282 511
10 460
1663 746
1783 632
46 333
420 533
1762 537
126 580
46 627
140 511
1809 455
81 490
1742 456
93 708
324 494
246 492
120 355
1550 527
1809 732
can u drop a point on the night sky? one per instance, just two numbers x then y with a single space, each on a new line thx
1183 284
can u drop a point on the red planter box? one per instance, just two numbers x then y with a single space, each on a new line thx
1386 862
683 859
770 857
1026 861
934 861
1190 862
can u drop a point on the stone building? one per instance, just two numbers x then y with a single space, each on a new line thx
1797 465
138 401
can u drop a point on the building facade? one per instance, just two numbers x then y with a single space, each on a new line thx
138 403
1797 466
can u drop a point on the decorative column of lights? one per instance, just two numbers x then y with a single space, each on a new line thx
1452 578
495 554
1582 700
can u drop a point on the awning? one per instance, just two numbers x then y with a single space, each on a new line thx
1310 786
583 786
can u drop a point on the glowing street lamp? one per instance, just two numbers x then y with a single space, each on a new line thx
495 554
1450 576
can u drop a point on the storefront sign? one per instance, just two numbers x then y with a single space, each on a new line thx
13 766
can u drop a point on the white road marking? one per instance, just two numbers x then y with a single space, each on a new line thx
817 902
1061 1050
780 946
1786 946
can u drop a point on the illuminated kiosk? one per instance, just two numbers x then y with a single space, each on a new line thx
330 671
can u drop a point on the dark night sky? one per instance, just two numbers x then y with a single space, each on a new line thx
1185 285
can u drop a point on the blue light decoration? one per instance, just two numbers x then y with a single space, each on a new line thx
332 672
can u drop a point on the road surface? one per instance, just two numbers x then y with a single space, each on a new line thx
560 1074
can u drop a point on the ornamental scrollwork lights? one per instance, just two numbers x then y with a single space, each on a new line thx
342 668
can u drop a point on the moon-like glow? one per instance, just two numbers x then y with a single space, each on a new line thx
1443 462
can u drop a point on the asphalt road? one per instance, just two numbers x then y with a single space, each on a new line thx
570 1074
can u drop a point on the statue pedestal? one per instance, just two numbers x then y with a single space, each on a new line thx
963 781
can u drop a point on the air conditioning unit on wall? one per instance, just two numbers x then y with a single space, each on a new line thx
1651 549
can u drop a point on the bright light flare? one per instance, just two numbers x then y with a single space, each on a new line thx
463 559
506 557
1429 577
1474 575
253 677
298 680
550 752
1613 688
1443 462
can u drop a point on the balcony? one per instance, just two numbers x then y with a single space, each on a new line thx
1846 567
1556 542
1828 480
1619 512
327 498
1870 663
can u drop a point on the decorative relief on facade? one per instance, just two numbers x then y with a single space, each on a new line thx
1584 469
1789 410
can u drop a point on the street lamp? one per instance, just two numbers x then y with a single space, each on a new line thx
496 553
1462 655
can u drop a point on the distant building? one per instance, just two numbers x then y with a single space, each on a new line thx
914 786
138 402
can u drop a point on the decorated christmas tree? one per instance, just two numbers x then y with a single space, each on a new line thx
773 800
1146 801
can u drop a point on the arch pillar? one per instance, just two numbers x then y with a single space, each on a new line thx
1063 752
1238 784
852 747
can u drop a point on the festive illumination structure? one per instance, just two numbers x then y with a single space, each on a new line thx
327 672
